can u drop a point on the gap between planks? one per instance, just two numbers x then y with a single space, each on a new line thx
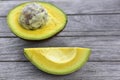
72 34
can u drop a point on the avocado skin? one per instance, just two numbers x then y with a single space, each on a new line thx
37 39
61 73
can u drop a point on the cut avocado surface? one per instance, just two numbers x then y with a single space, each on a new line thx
56 22
58 61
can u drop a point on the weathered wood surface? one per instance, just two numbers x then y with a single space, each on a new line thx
103 23
90 71
103 48
91 23
99 32
72 6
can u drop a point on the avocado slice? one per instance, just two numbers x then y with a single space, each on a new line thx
58 60
56 23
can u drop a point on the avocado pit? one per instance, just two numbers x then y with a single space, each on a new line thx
33 16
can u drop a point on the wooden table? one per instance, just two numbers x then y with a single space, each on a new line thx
91 23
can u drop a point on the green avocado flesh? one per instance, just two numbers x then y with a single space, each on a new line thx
56 22
58 60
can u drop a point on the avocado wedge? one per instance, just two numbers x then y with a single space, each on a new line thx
59 60
56 22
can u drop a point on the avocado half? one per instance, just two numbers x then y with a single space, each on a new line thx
59 60
56 23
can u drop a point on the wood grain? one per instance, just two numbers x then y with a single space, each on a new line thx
91 71
78 23
71 7
103 48
91 23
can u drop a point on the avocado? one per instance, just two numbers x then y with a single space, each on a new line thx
56 22
58 60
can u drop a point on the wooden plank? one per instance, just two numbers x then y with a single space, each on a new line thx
3 25
103 48
93 23
91 71
87 33
2 35
82 23
71 7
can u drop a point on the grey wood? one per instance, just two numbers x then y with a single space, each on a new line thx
4 35
90 71
72 6
103 48
91 23
79 23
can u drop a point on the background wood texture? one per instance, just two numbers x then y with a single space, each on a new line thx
91 71
72 6
91 23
